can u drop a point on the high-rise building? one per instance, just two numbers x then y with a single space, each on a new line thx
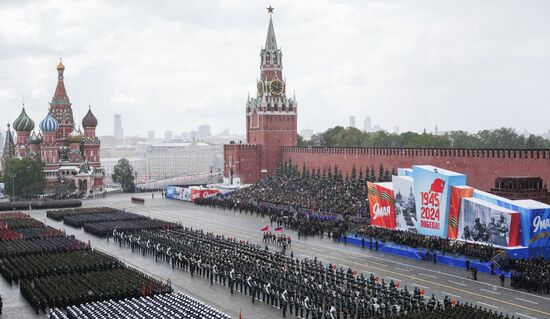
150 136
185 136
352 121
168 136
367 125
117 130
204 131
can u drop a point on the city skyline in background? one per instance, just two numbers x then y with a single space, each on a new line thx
481 69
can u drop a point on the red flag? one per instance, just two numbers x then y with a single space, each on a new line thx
241 315
453 301
266 228
377 279
422 291
279 229
398 285
334 266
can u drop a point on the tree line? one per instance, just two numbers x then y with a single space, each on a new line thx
502 138
333 173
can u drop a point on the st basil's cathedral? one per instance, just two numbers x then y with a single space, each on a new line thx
69 154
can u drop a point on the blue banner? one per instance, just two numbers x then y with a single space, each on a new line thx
432 191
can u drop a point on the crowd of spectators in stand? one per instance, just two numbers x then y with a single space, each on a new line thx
482 252
328 192
532 274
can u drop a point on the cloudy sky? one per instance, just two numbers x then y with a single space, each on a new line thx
172 65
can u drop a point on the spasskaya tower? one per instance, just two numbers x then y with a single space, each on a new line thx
271 119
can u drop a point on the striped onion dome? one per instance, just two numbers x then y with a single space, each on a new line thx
75 137
89 121
34 139
23 123
49 124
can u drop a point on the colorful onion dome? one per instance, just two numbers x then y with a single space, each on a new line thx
49 123
89 120
34 139
60 66
75 137
23 123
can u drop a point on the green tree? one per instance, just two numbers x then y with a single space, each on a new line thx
123 174
381 173
26 175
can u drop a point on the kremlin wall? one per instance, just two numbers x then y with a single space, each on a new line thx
481 166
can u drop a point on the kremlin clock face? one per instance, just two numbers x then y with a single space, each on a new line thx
276 87
260 87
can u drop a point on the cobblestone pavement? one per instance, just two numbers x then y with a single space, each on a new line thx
433 278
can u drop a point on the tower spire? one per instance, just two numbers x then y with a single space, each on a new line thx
9 145
270 41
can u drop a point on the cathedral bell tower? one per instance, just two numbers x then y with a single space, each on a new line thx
60 107
271 117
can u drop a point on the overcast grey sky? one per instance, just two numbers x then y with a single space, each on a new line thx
172 65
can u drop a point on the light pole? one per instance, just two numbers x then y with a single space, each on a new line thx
13 176
135 182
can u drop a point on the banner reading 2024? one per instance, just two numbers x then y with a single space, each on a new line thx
432 195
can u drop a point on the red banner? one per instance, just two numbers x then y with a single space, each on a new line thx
382 205
203 193
457 193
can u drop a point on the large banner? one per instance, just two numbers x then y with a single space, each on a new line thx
432 194
405 205
203 193
484 222
180 193
457 193
540 228
381 204
534 217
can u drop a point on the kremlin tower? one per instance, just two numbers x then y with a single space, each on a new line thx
271 120
69 156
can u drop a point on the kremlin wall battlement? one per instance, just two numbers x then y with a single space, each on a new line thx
482 166
243 161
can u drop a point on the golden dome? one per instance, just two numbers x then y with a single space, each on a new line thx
60 66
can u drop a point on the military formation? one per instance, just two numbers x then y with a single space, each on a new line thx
16 268
305 288
531 274
168 306
101 221
59 271
88 286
